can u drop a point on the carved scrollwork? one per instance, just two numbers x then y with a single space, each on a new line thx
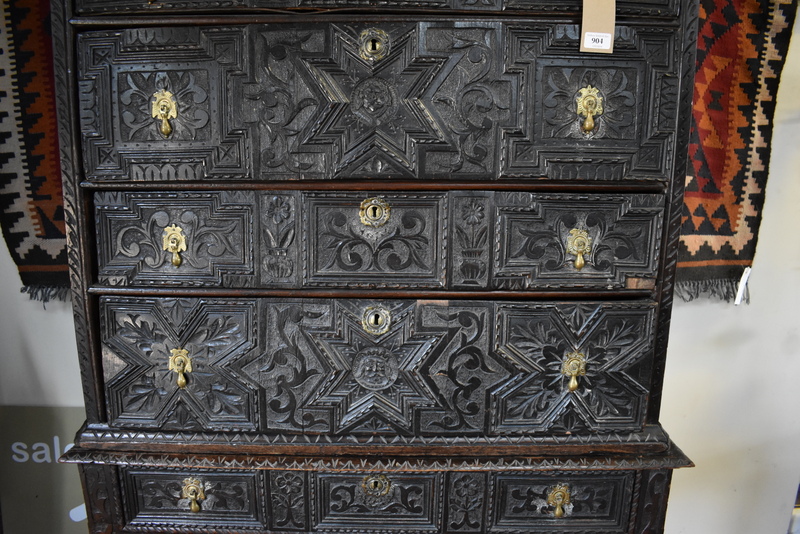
188 117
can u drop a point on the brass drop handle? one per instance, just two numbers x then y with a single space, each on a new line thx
174 241
164 107
193 490
558 497
590 105
181 363
573 367
579 244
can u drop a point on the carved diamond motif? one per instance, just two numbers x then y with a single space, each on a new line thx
377 111
371 375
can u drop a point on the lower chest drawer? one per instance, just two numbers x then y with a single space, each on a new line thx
323 500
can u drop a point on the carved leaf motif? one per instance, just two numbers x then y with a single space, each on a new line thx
354 250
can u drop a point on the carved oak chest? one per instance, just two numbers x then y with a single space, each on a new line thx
380 267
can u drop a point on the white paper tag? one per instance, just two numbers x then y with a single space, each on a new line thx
597 41
741 293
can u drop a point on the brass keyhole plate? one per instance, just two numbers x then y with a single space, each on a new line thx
376 485
373 44
376 320
374 212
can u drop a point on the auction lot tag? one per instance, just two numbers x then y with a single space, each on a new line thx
597 28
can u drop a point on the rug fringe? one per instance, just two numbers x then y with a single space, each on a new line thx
719 289
45 294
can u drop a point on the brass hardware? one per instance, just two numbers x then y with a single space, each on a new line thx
164 108
193 490
375 212
376 320
376 485
373 44
181 363
579 244
574 366
590 105
558 497
174 241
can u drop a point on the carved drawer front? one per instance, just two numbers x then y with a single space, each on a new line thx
559 502
380 501
194 500
451 100
186 239
500 240
639 7
167 363
557 241
360 369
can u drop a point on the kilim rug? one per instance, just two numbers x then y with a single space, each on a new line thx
31 211
742 46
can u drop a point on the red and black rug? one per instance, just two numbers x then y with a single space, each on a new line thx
741 50
742 46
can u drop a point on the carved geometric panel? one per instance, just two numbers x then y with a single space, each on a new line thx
146 386
228 499
442 100
428 373
628 136
133 230
426 240
577 241
660 8
597 503
343 246
377 502
579 367
121 75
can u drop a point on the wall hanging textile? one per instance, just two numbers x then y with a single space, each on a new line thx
741 50
31 211
742 46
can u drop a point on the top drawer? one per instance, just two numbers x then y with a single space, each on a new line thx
668 8
458 100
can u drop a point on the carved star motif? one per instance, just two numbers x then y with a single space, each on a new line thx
377 112
373 375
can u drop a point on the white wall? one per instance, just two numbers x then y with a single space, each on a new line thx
732 390
731 396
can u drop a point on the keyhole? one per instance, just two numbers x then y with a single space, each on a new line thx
376 320
375 484
375 212
373 45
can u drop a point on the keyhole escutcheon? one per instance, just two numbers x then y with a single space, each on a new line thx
376 320
374 212
374 44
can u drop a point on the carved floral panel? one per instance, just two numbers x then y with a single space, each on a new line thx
406 246
442 100
212 238
166 363
226 499
375 501
592 241
579 367
127 79
596 503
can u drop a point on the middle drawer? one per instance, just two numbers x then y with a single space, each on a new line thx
464 240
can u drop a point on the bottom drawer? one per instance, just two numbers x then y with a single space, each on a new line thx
310 498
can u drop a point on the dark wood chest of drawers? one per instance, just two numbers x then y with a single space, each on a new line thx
379 267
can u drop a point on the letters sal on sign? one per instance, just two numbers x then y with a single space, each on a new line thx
597 27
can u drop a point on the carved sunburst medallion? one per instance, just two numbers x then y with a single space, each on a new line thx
374 376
